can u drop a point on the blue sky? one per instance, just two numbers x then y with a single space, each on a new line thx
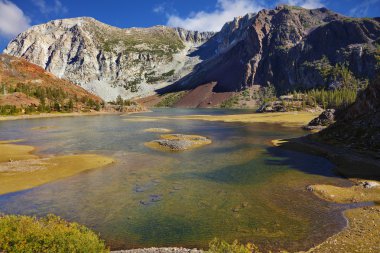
18 15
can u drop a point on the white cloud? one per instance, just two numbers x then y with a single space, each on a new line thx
56 7
225 11
308 4
159 8
361 9
12 19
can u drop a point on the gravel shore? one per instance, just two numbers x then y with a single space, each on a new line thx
160 250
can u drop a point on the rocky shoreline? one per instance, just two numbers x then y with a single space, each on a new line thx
361 233
160 250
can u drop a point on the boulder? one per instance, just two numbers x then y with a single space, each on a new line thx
370 184
325 119
275 106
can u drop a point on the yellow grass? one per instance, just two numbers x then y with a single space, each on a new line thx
189 137
289 119
54 115
157 130
43 128
352 194
362 233
40 171
285 118
12 152
278 142
11 141
140 119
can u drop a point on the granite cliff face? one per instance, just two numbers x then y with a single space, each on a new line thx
106 60
289 47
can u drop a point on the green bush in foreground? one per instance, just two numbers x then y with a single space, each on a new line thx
49 234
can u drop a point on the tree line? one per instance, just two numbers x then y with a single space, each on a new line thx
50 99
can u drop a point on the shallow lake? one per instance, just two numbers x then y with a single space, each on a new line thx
239 187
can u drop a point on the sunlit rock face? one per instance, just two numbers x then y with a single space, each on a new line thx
107 60
290 47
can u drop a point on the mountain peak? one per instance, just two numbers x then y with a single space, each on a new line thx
107 60
285 46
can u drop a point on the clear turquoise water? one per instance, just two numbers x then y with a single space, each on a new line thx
239 187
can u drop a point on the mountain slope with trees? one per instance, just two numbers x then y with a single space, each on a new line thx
27 88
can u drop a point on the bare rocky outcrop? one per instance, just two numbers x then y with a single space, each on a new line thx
325 119
110 61
289 47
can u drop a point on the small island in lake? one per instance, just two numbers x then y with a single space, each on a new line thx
178 142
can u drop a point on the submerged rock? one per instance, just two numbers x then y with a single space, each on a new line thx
309 188
145 203
177 188
175 144
155 198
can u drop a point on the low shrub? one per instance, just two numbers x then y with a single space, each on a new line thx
44 235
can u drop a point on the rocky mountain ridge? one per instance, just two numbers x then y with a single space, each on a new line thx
106 60
290 47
